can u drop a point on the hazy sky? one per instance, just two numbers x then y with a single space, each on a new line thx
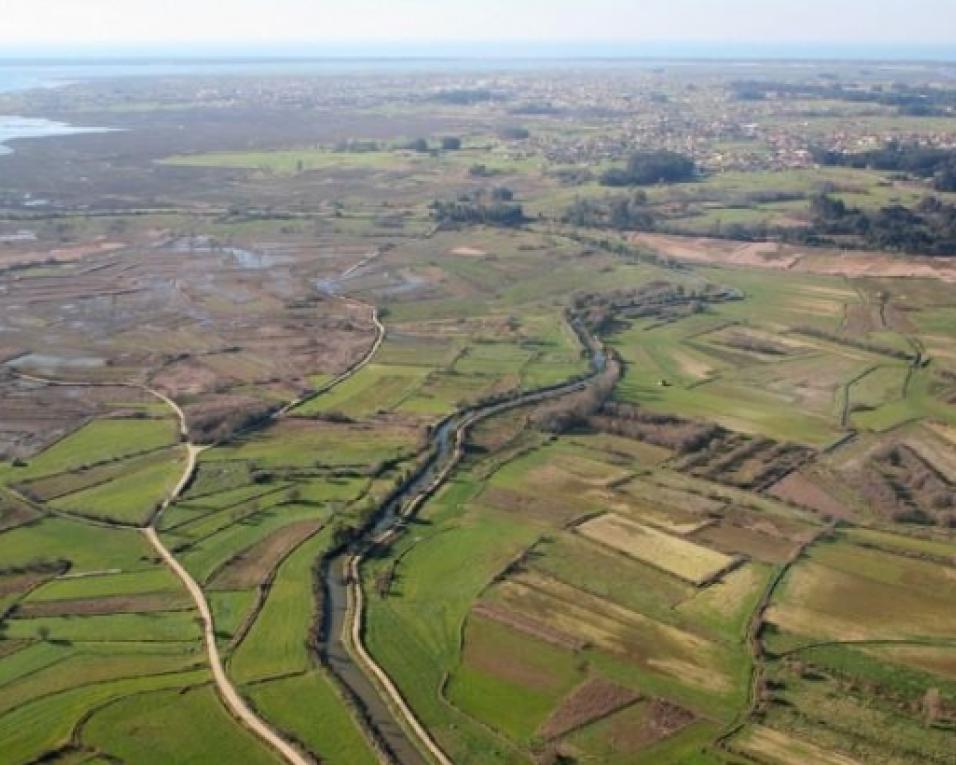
24 22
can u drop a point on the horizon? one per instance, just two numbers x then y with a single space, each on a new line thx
452 50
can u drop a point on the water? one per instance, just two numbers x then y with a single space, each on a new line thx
391 518
12 127
21 77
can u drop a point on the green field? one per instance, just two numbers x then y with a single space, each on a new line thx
730 540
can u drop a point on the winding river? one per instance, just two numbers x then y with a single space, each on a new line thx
341 636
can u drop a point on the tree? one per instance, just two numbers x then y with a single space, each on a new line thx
515 133
451 143
645 168
419 145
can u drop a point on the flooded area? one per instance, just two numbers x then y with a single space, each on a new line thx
13 128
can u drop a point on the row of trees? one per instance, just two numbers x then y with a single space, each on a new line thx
646 168
624 213
929 228
447 143
908 99
493 207
921 161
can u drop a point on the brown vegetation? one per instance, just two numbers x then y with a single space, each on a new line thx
112 604
899 483
253 565
529 626
665 430
744 461
593 700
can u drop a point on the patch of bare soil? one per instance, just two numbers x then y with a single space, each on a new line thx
662 721
594 700
13 584
529 626
720 251
738 539
254 565
14 513
801 490
830 262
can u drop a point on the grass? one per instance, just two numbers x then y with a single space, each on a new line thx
376 388
840 593
137 729
307 444
509 680
415 635
202 558
629 640
67 667
47 723
135 583
725 607
100 441
615 577
229 609
310 708
169 626
131 498
276 644
88 548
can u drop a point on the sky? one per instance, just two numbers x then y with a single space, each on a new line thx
25 23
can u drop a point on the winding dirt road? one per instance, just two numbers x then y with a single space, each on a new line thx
227 691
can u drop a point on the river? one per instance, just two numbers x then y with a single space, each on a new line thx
389 523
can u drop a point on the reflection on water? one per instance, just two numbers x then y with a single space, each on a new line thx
12 127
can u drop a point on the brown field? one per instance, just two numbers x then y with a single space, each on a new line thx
801 490
932 446
673 498
693 562
680 522
528 626
557 510
776 748
936 660
608 626
844 592
253 566
734 539
593 700
15 513
112 604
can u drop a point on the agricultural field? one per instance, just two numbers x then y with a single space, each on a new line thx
369 418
